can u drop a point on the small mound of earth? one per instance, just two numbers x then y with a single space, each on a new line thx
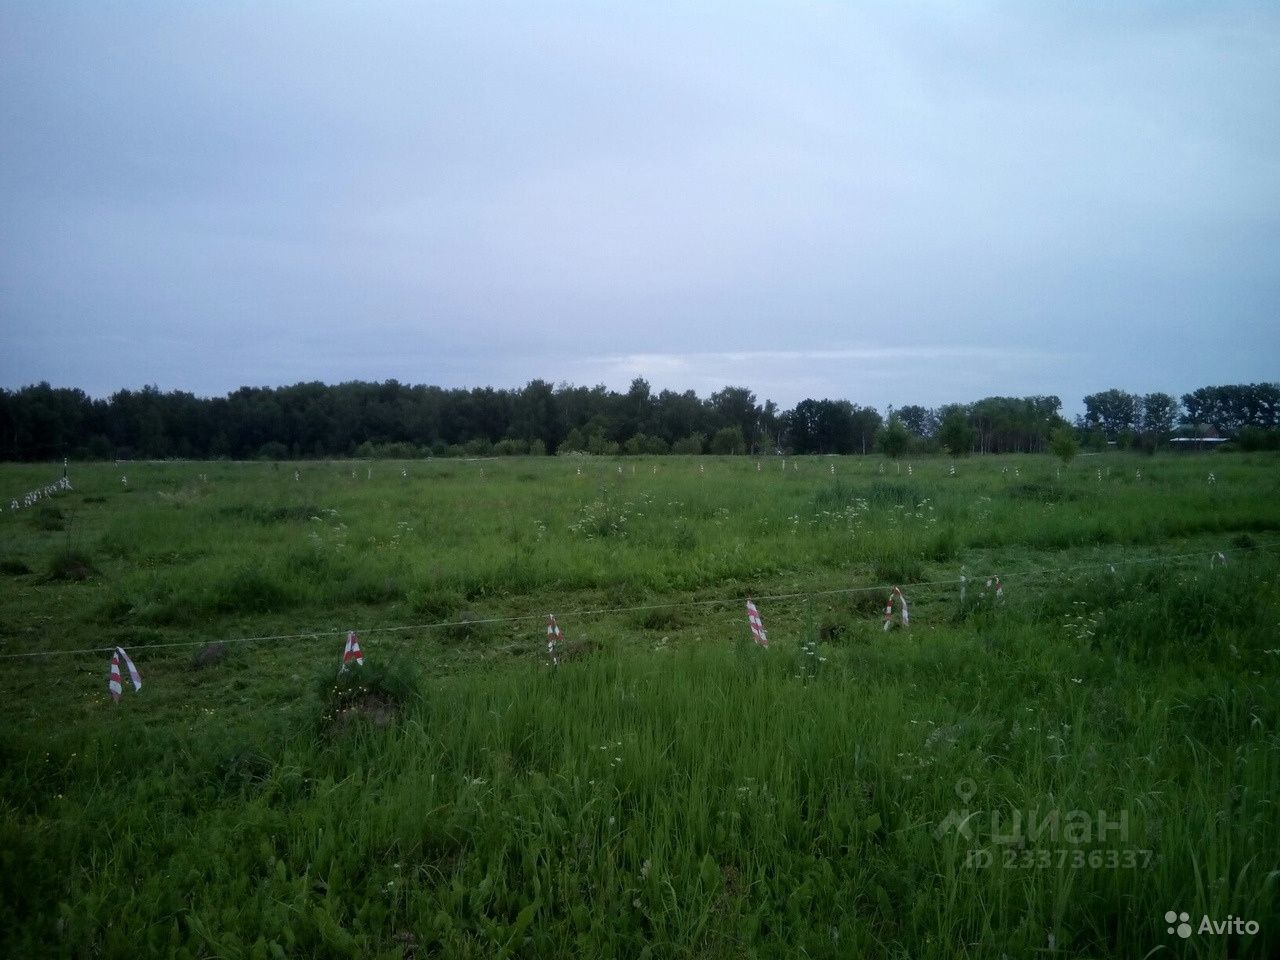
209 655
574 650
379 708
75 570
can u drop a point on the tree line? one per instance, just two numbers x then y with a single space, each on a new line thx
1249 412
391 419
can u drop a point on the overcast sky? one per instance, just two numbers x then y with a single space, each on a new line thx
888 204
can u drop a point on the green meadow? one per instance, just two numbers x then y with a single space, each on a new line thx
1039 775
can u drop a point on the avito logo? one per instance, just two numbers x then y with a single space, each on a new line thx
1236 925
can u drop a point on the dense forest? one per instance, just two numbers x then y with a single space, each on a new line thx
391 419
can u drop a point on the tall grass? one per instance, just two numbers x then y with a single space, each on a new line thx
680 793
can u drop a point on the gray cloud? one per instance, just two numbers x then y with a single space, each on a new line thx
1005 198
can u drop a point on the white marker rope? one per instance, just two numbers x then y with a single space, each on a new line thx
1198 557
32 497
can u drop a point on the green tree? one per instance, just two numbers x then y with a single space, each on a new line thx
893 438
656 445
690 444
574 442
600 445
728 440
1159 413
1064 444
1113 411
768 429
642 443
734 407
918 421
955 433
511 447
636 408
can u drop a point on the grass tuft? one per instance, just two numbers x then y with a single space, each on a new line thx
70 564
376 693
48 518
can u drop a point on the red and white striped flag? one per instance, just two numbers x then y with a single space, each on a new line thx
352 652
554 635
888 608
757 625
113 681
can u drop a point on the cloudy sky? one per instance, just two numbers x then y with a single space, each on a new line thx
882 202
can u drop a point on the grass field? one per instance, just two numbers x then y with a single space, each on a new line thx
1041 776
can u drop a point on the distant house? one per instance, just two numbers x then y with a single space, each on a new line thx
1196 443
